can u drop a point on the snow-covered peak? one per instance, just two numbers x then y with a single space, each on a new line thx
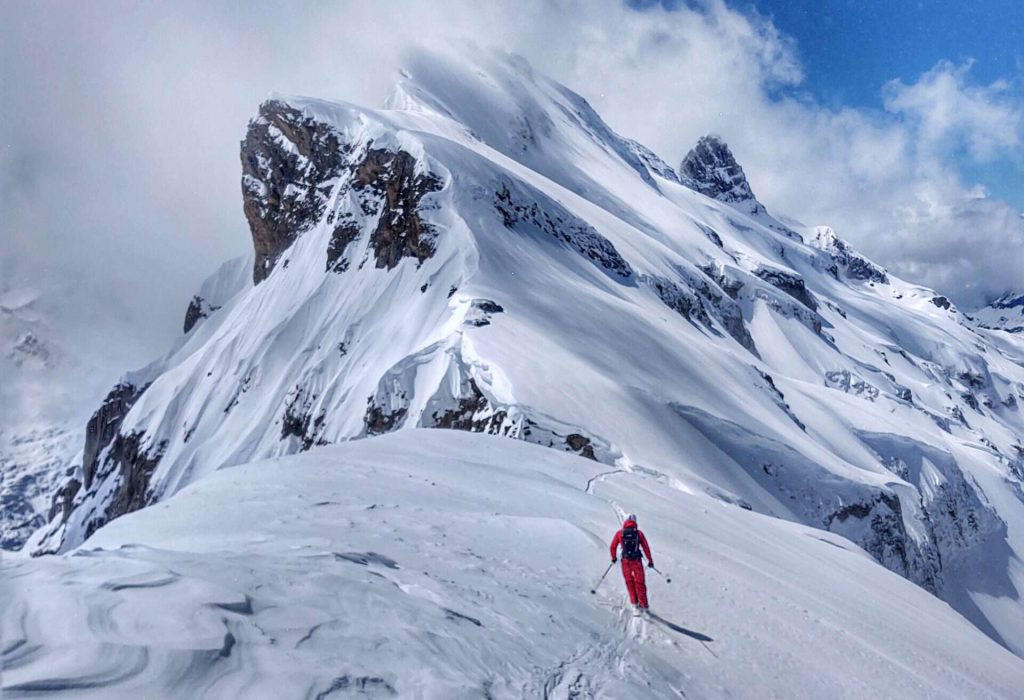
504 103
1006 313
714 172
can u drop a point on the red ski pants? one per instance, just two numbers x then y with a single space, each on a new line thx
633 572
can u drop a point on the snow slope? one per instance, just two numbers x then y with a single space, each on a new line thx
486 254
442 564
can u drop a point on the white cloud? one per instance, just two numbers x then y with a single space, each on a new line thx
949 112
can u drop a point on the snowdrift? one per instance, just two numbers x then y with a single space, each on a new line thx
442 564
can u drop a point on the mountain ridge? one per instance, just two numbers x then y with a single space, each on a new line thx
492 257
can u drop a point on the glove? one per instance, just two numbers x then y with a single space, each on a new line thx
614 559
650 564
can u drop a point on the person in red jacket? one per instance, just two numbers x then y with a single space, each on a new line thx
632 541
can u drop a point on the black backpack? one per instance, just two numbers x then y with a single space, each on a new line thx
631 543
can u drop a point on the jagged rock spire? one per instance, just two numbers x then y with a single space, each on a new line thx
714 172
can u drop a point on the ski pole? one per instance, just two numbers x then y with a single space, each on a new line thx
668 579
594 589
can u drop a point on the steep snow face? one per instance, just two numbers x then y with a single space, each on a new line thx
440 564
487 255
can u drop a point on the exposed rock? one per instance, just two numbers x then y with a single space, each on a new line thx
473 414
30 347
104 424
941 302
1006 313
288 163
63 499
651 161
728 283
791 283
883 535
955 516
853 264
194 313
298 421
712 235
341 237
780 399
846 381
392 179
581 445
135 464
198 309
480 312
378 422
713 171
682 301
699 302
542 214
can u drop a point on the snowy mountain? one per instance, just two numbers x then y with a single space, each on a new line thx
487 255
1004 314
42 426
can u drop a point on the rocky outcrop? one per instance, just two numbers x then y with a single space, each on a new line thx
954 516
652 161
681 300
848 382
700 299
396 186
873 517
301 421
194 313
845 259
103 427
198 309
288 162
472 413
535 213
63 499
481 311
341 237
135 461
789 282
713 171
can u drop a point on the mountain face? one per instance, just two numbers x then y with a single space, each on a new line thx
487 255
41 430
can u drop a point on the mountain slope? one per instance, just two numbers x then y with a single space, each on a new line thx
440 564
488 255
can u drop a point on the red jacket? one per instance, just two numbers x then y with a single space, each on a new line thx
617 540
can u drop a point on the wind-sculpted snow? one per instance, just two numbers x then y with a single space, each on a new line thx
488 256
440 564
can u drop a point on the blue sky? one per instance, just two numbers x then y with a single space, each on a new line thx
849 49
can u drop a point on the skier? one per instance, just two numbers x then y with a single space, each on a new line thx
632 540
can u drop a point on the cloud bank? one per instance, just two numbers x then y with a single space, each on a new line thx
121 121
